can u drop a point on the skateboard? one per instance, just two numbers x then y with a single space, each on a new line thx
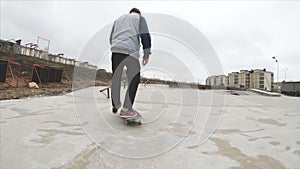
132 120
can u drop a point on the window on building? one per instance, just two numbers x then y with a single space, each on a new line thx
236 78
261 78
261 74
261 86
272 76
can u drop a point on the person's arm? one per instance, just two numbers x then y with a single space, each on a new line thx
145 39
110 37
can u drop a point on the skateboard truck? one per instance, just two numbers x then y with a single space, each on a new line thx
130 120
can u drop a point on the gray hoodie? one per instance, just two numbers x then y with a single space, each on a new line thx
126 33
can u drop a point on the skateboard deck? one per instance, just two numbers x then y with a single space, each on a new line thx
131 120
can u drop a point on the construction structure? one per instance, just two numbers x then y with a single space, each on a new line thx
46 74
9 69
32 49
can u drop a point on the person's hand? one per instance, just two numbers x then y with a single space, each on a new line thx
145 61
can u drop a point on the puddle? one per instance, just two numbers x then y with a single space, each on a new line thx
192 147
81 160
2 122
50 134
297 152
245 161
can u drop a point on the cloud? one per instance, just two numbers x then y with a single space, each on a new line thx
244 34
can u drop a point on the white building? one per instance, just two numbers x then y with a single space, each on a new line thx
215 81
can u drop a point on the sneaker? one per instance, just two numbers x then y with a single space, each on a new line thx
128 113
115 109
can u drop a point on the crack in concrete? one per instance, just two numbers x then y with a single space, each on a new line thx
268 121
274 143
258 138
62 124
234 131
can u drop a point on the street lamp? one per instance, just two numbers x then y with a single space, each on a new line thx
285 70
276 60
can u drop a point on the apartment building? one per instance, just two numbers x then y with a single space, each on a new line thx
261 79
233 78
211 81
219 80
244 79
257 79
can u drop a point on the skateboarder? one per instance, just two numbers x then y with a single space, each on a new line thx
127 32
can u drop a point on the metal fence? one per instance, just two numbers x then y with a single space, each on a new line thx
291 88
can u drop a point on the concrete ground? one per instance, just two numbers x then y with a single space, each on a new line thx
181 129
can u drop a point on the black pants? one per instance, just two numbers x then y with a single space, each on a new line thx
119 61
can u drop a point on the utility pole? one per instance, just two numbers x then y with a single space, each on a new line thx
276 60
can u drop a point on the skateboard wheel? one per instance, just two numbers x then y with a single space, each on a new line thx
140 123
126 122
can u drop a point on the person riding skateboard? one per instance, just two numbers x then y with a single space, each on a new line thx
127 32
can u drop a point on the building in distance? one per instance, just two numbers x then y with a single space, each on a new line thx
244 79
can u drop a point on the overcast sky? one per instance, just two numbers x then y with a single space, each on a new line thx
245 35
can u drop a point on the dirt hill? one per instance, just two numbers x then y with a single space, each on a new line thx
84 78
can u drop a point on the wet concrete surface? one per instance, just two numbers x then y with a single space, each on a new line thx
181 129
